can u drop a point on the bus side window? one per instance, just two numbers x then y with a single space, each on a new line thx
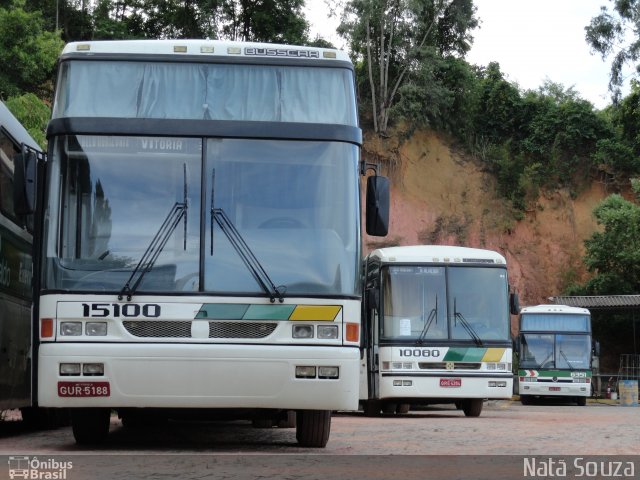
8 150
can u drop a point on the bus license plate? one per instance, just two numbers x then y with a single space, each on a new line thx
554 389
450 382
83 389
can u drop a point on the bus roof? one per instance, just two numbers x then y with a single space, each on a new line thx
14 128
561 309
437 254
204 48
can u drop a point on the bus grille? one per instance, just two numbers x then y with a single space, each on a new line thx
241 329
158 328
443 366
182 329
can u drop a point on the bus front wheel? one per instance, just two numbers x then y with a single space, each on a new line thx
90 425
313 428
581 401
472 407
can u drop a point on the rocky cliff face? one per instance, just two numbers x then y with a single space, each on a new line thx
441 196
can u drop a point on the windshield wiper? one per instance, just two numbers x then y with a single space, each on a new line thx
239 244
247 256
433 314
177 213
566 360
472 333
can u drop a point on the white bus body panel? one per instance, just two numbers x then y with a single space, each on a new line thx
198 371
425 383
203 376
565 389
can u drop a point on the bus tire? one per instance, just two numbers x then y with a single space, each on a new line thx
403 408
525 400
472 407
90 425
313 428
581 401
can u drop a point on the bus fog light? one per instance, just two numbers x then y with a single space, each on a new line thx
493 383
93 369
326 332
407 383
305 372
69 369
397 383
95 329
328 372
303 331
71 328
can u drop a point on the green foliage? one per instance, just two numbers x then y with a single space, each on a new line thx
608 33
27 53
33 114
402 44
613 254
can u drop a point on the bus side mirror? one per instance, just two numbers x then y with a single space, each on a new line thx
596 348
516 344
372 298
377 222
514 304
24 181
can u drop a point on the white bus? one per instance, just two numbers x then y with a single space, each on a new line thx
201 234
555 352
436 328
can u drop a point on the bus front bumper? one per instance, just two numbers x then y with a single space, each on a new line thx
197 376
446 386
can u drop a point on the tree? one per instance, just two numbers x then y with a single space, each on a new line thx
27 53
613 254
396 39
33 114
608 34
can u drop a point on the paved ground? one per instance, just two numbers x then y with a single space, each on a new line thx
505 428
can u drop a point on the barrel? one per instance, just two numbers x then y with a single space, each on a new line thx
628 393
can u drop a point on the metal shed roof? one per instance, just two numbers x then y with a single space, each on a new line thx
601 302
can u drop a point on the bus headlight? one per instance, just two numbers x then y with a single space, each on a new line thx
327 332
305 371
71 329
69 369
302 331
95 329
328 372
93 369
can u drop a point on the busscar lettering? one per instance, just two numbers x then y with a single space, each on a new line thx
281 52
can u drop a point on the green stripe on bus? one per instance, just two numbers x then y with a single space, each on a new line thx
222 311
464 354
243 311
269 312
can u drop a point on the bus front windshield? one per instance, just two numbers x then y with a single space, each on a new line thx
562 351
444 303
294 203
